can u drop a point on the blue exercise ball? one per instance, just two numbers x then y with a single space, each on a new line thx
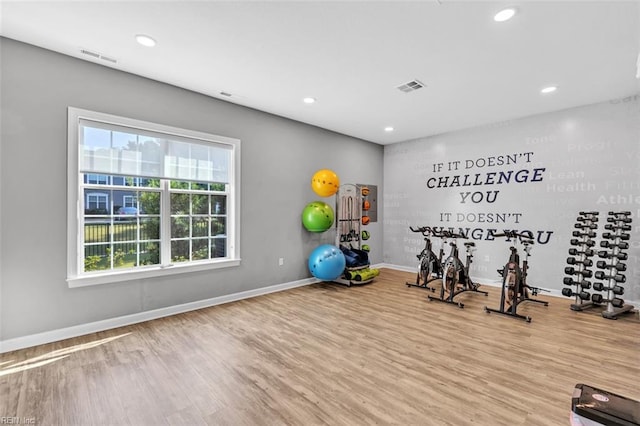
327 262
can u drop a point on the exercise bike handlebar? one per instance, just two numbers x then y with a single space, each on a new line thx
524 238
424 230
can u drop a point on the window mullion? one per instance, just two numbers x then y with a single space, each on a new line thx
165 220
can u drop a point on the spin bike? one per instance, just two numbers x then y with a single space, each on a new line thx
515 289
455 274
429 267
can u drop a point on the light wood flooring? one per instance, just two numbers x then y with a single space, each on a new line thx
328 354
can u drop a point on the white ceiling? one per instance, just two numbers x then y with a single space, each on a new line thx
352 55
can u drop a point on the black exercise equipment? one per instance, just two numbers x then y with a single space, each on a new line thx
615 302
618 223
621 245
619 278
455 274
617 266
581 261
610 255
585 225
612 227
590 234
569 270
584 295
592 406
617 236
515 289
616 289
576 252
574 261
587 243
429 267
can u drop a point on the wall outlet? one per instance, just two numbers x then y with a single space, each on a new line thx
281 261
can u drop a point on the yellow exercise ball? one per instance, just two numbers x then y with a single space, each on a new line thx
325 183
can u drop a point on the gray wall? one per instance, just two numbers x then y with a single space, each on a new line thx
279 156
591 161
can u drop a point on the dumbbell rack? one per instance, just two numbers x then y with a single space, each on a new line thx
579 261
615 241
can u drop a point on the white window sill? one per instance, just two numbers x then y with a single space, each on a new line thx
150 272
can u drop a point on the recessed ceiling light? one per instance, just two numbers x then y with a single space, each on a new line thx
549 89
504 14
309 100
145 40
388 129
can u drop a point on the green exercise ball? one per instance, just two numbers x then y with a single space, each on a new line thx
317 216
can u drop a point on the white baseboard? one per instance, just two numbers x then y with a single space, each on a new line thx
93 327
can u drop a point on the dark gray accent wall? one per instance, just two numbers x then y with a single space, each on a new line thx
279 156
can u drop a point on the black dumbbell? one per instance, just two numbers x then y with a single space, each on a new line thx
576 242
589 214
610 236
611 227
617 266
616 289
608 255
619 213
569 270
616 302
576 252
619 278
621 245
570 281
584 295
619 219
590 234
574 261
585 225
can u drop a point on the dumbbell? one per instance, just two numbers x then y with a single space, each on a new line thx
607 244
619 278
590 234
570 281
611 227
590 213
619 213
585 225
616 302
617 266
576 242
610 236
616 289
574 261
584 295
619 219
608 255
576 252
569 270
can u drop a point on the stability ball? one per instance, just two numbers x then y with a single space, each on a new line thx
325 183
317 216
327 262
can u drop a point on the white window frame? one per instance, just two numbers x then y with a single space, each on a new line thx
76 277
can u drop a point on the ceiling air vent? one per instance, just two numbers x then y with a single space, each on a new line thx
108 59
411 86
90 53
97 55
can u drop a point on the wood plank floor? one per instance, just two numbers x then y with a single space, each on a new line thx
327 354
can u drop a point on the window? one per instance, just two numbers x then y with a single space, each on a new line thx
130 201
148 200
96 202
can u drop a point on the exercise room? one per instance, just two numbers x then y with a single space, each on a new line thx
320 213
